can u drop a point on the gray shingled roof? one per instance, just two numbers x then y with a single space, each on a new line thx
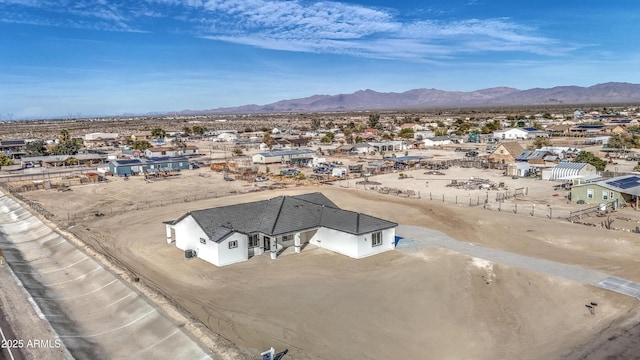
283 215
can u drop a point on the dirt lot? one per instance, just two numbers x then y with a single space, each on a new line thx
320 305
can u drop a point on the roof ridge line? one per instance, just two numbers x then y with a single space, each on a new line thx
284 197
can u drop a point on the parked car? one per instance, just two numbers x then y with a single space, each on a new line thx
261 178
290 172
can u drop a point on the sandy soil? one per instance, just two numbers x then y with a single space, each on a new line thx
431 304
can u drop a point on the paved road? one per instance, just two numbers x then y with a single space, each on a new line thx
415 238
93 312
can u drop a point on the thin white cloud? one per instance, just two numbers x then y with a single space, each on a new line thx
293 25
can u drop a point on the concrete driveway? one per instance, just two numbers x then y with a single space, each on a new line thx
415 238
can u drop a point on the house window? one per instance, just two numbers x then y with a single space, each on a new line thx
376 239
203 241
589 193
233 244
287 237
605 195
254 240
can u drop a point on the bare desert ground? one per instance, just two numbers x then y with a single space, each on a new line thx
431 303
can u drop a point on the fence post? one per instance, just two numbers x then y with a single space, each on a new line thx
430 197
456 199
533 208
516 209
442 197
550 213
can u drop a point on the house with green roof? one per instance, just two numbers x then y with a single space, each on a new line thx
230 234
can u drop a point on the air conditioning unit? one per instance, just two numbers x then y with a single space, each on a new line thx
188 254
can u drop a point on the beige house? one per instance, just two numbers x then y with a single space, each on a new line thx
505 153
142 135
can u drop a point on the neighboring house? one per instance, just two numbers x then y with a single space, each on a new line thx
562 152
620 189
505 153
299 142
277 144
231 234
226 137
540 158
288 156
127 167
100 139
170 151
189 150
533 133
352 149
362 148
413 126
143 135
437 141
387 146
14 149
614 129
559 129
569 171
587 129
511 134
423 134
365 136
160 151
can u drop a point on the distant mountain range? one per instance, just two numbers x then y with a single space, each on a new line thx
607 93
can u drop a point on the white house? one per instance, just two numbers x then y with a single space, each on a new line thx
170 151
226 137
285 156
437 141
230 234
160 151
512 134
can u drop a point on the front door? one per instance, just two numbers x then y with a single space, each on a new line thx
266 243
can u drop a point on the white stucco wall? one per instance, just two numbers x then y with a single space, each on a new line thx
228 256
364 243
342 243
355 246
188 235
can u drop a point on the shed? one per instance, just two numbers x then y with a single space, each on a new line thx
568 171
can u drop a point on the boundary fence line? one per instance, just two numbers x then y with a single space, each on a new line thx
495 201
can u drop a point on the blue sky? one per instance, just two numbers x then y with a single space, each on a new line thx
109 57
